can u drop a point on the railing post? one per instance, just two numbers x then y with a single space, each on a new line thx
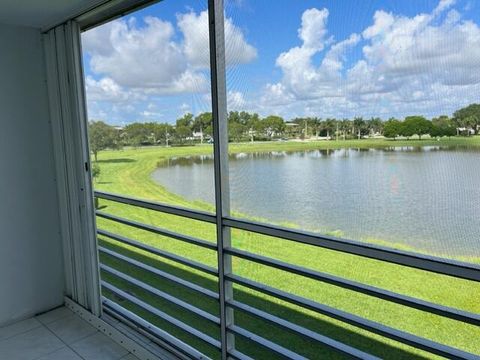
220 149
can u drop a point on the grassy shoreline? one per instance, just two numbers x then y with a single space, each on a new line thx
128 172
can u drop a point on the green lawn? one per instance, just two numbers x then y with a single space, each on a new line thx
128 172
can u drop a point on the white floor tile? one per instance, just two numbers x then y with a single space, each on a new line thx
99 347
60 335
18 328
62 354
54 315
71 329
30 345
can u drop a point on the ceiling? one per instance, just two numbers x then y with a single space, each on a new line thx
42 13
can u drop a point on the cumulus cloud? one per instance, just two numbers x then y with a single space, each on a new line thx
142 57
107 89
448 53
235 101
314 29
301 78
443 5
185 108
196 44
152 59
150 114
408 64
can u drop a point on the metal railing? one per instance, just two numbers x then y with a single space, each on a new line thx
408 259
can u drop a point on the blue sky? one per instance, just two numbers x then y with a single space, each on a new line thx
288 57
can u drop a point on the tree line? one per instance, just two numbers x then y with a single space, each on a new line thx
244 126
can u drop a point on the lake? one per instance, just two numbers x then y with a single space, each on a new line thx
427 198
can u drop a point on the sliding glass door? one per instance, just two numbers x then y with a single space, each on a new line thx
289 179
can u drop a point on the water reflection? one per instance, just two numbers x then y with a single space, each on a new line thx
424 197
319 153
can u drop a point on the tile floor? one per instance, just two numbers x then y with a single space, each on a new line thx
58 335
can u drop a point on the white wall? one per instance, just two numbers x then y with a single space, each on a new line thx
31 268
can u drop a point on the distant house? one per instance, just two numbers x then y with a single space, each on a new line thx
466 131
199 136
292 129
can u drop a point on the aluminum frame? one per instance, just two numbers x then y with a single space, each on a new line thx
162 274
220 150
224 222
438 265
164 254
373 291
458 269
68 114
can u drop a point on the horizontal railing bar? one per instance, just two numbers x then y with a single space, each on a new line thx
170 319
300 330
423 305
176 258
186 284
234 353
405 258
383 330
410 259
280 350
173 210
237 355
419 261
158 231
161 294
120 313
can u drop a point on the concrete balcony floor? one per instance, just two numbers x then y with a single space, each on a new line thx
58 335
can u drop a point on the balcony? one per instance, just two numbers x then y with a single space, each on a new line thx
181 294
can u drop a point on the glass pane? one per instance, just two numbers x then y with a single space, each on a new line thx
358 121
147 82
440 289
147 79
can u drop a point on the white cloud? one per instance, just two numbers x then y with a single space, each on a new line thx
151 114
442 6
142 57
426 63
196 41
235 101
448 53
185 108
106 89
382 23
333 61
303 80
151 59
314 28
277 95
